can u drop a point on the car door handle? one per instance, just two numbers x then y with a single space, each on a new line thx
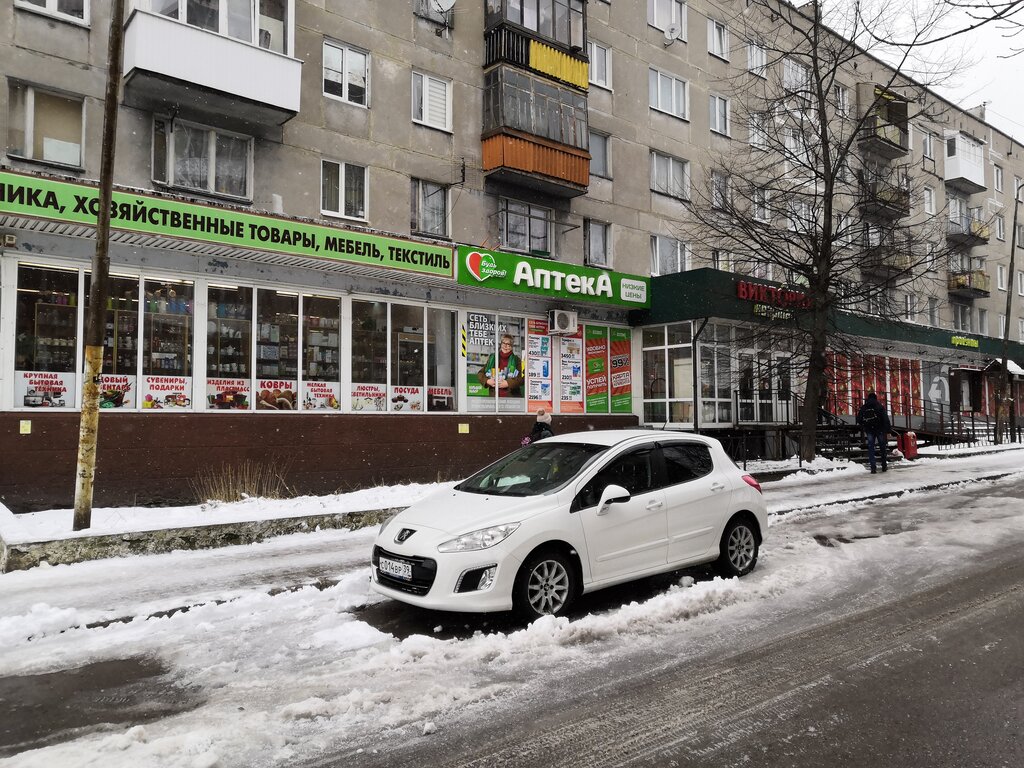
654 504
717 486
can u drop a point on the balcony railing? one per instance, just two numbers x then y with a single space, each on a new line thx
970 284
968 229
886 139
887 258
885 197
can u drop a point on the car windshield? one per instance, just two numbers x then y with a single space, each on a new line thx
533 470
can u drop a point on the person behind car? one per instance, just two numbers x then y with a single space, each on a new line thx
874 420
541 428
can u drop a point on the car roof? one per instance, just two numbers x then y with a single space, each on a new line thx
612 437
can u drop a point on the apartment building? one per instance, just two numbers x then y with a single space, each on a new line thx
333 222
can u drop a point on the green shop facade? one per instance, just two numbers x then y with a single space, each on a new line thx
331 357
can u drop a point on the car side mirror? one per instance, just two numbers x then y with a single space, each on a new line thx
612 494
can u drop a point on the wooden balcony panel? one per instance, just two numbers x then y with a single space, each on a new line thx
520 154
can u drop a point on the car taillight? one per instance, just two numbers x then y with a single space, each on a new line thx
752 483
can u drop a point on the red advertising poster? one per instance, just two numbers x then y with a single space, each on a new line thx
895 386
905 386
915 387
39 389
276 395
117 391
842 389
539 370
570 367
597 368
619 344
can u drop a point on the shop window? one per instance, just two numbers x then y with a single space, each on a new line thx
229 348
343 189
346 73
494 362
369 355
120 341
45 335
408 356
429 208
441 359
431 101
523 227
45 126
258 22
71 10
167 316
321 353
202 159
277 351
667 370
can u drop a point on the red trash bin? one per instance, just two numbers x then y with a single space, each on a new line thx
908 445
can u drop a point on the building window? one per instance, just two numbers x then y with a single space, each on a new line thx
997 177
431 101
720 195
983 322
665 14
200 158
668 255
1020 283
929 200
596 243
346 73
798 154
260 22
759 205
718 108
1000 228
343 189
600 64
667 93
795 77
723 260
600 159
1002 325
45 126
1020 330
560 20
1001 277
757 59
759 130
429 208
801 217
670 175
961 317
518 100
842 97
718 39
429 9
910 308
928 145
523 227
933 312
76 10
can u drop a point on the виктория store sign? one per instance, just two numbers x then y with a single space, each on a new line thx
543 277
23 195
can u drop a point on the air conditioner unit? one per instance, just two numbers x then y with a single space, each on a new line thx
562 322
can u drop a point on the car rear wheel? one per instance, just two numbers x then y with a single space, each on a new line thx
739 548
546 585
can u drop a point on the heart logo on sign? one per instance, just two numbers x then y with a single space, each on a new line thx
473 261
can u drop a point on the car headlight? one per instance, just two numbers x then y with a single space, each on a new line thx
482 539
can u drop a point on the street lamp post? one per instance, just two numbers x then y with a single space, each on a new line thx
1005 397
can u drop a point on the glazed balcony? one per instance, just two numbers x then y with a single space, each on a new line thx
168 63
967 231
964 167
970 285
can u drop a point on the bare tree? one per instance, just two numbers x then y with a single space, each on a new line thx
819 197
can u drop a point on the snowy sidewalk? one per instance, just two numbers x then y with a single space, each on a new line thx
28 539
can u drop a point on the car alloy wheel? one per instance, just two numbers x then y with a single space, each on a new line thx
739 549
546 585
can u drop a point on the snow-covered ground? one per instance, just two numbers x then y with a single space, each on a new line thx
288 676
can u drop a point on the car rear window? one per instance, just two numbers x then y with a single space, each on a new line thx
686 461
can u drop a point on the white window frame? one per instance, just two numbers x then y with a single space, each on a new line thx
796 77
430 114
419 195
1002 325
1000 227
928 193
800 217
532 214
997 177
346 50
224 22
983 321
343 170
961 317
759 205
661 14
49 8
668 166
715 116
757 59
842 98
677 251
212 133
721 190
598 52
1020 283
758 129
1020 330
723 260
680 91
927 144
606 155
718 39
1001 273
910 307
933 311
591 256
29 126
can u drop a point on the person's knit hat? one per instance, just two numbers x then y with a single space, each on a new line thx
543 416
872 396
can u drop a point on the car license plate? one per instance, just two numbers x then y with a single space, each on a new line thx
396 569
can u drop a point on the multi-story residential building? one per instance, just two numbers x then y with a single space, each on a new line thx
331 219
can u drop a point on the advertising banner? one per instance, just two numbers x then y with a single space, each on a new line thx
538 366
597 368
275 395
494 372
321 395
228 394
571 374
369 397
621 377
37 389
160 392
407 399
117 391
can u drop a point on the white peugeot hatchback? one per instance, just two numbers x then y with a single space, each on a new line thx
568 515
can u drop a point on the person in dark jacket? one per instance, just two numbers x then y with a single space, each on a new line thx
541 428
874 420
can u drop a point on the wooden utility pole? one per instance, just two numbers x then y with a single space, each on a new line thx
99 287
1005 398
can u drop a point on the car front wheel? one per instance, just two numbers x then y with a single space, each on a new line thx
546 585
739 549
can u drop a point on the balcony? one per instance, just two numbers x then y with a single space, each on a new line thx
884 139
512 45
967 230
883 197
970 285
964 167
884 131
168 63
536 164
885 259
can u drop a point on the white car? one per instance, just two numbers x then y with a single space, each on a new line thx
568 515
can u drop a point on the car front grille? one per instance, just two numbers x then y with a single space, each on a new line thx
424 571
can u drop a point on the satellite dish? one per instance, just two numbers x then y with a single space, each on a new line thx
671 33
443 5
